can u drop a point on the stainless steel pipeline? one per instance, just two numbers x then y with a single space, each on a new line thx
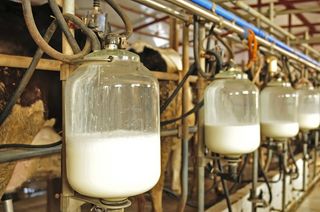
160 6
224 23
271 24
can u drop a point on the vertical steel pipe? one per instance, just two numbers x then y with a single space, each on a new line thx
284 179
8 205
305 161
200 146
315 153
185 131
67 191
255 171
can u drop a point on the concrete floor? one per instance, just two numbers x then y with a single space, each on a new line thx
311 203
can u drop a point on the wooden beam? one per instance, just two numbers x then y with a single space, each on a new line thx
24 62
54 65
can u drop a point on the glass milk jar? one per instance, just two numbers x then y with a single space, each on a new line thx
231 114
112 126
309 108
279 104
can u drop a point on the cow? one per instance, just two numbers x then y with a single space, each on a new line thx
166 60
32 119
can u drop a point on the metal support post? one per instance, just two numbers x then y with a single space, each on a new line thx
305 161
284 180
315 156
185 132
254 192
200 148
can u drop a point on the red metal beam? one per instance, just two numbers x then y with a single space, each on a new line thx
289 5
299 25
280 3
156 20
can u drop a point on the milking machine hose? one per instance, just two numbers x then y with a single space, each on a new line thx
183 116
219 38
196 45
224 186
195 68
123 16
35 34
64 26
266 181
164 106
294 163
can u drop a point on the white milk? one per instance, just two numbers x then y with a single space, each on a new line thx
232 140
309 120
113 166
279 129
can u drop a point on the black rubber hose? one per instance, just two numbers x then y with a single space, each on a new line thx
219 38
224 186
294 163
164 106
266 181
218 61
193 110
123 16
64 26
29 146
34 32
27 75
95 43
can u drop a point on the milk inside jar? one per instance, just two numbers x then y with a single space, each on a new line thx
279 129
232 140
308 120
113 165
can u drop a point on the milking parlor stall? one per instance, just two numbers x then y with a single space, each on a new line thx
154 105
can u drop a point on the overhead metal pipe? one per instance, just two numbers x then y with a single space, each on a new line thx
240 30
267 21
246 25
163 8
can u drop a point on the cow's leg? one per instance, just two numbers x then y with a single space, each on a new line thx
157 190
176 167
